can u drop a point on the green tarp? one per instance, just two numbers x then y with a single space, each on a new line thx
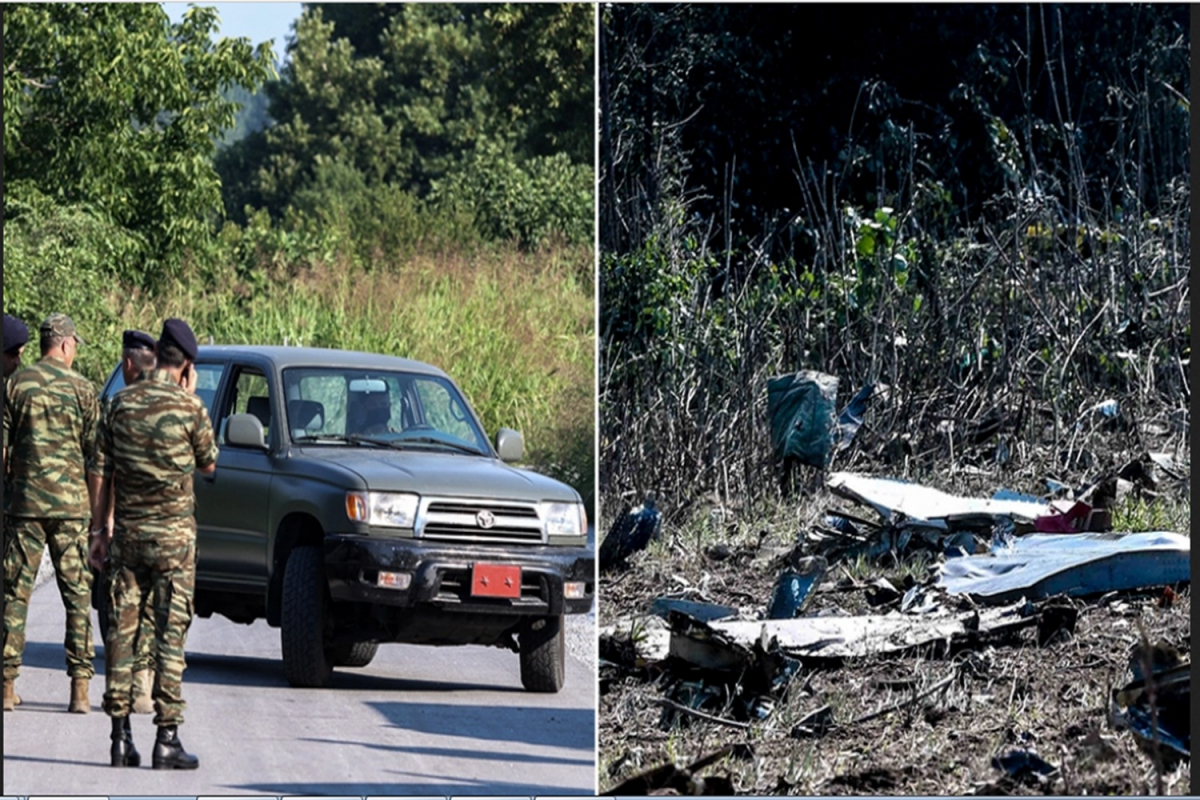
801 408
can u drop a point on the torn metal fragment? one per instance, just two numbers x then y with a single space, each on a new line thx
1041 565
889 497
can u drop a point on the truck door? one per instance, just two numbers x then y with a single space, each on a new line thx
233 503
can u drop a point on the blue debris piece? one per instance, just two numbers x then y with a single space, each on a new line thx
704 612
794 586
1020 763
632 532
851 417
1041 565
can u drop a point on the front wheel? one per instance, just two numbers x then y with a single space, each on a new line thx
304 611
543 651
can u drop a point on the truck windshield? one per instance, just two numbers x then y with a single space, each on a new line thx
329 405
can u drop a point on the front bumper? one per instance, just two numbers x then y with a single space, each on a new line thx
442 574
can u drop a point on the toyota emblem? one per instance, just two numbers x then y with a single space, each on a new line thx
485 518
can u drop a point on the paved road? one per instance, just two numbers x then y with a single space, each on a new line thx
417 721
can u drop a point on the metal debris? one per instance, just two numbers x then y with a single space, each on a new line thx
1041 565
704 612
891 497
794 586
729 644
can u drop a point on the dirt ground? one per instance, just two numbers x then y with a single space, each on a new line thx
998 696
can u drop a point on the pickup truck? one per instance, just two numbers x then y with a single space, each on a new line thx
357 501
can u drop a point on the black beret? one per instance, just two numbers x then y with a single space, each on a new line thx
15 333
132 340
177 332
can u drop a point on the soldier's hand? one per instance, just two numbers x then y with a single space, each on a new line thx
98 550
188 379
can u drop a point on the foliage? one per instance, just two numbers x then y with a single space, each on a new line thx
515 330
111 107
487 104
113 203
996 229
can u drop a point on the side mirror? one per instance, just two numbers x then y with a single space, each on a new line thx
245 430
510 445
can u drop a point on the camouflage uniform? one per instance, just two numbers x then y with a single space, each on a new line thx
153 438
50 416
143 657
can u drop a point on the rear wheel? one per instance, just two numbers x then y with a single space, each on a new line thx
305 607
543 655
358 654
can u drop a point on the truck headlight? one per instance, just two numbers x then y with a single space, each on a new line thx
564 519
383 509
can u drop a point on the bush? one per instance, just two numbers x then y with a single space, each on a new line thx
528 201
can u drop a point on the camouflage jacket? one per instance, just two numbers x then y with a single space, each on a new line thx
50 418
151 440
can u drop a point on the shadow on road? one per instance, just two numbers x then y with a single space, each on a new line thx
573 728
61 762
257 671
450 787
459 753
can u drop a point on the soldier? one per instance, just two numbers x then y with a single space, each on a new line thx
137 360
50 415
157 433
15 337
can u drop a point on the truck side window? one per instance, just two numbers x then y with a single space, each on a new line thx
250 395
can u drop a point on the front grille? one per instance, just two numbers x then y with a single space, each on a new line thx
455 587
459 521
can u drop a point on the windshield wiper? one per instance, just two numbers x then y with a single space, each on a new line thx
337 437
462 448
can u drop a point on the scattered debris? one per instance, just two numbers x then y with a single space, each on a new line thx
704 612
794 586
1024 766
684 780
1077 565
1156 708
632 531
729 644
813 724
635 641
851 418
891 497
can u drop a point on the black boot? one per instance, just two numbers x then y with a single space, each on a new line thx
169 752
124 754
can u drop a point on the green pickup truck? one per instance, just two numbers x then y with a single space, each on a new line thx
357 501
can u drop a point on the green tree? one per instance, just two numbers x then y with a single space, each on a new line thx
433 99
113 109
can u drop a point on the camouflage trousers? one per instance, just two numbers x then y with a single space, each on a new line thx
161 576
24 541
143 656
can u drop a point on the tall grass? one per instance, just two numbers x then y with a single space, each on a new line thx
515 329
995 333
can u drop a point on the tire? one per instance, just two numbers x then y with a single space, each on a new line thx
543 656
306 662
358 654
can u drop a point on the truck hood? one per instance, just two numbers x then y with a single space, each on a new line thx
443 474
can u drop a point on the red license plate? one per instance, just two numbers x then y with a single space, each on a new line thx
495 580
